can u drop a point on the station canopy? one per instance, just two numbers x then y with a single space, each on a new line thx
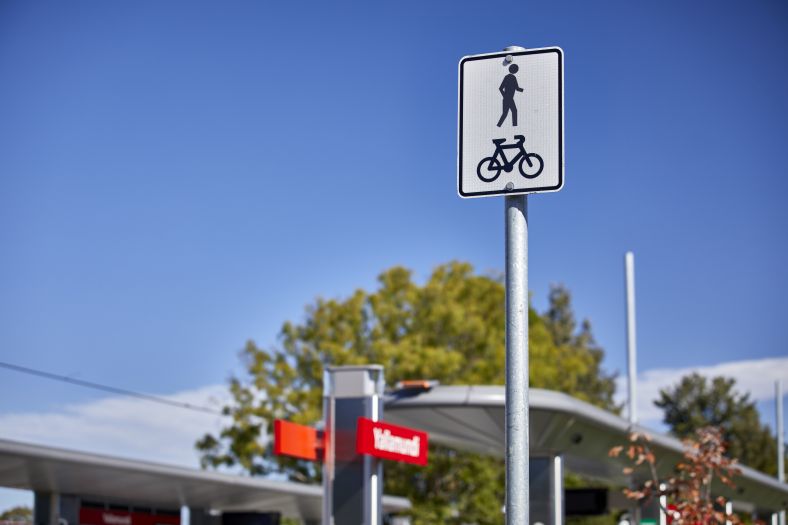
141 483
463 417
472 418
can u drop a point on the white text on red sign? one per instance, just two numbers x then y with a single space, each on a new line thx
393 442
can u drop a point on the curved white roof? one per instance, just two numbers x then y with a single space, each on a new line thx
100 477
472 418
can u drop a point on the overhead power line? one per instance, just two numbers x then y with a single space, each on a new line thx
107 388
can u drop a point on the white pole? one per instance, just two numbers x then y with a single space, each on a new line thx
780 441
558 490
629 265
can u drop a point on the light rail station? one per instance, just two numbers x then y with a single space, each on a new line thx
77 488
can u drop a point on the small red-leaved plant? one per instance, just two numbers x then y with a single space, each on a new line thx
689 490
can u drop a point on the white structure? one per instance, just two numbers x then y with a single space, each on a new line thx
472 418
54 472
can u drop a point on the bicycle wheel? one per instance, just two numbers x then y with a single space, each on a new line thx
488 169
530 165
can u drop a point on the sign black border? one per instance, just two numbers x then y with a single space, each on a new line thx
504 54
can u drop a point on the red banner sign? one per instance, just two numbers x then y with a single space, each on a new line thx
93 516
298 441
382 440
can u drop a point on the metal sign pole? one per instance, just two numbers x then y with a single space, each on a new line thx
517 449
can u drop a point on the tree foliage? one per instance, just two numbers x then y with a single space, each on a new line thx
20 513
696 402
450 329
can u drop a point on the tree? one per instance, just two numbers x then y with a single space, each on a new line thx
21 514
696 402
450 329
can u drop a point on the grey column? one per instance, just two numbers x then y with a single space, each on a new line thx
69 510
51 508
198 516
46 508
352 483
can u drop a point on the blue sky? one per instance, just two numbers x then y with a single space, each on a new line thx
179 177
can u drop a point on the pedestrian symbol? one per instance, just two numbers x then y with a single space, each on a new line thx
508 88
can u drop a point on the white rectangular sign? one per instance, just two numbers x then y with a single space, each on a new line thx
511 123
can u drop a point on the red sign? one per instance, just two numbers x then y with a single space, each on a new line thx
382 440
94 516
298 441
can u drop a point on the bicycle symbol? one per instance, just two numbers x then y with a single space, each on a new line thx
490 168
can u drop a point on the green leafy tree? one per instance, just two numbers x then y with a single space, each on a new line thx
451 329
21 513
696 402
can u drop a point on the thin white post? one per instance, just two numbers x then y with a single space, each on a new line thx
778 387
558 490
629 265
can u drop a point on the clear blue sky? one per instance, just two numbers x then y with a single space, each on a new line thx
178 177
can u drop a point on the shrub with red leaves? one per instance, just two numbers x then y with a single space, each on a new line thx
689 490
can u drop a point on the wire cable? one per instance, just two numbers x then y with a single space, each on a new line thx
106 388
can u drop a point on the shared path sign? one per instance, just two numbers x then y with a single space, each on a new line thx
511 123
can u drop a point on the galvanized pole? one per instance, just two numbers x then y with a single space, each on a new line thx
517 482
629 264
780 441
629 271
